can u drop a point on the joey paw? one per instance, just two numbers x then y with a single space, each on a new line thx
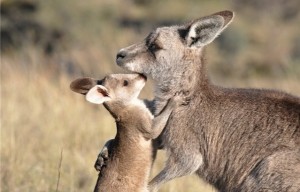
102 159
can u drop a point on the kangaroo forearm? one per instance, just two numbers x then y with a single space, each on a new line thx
160 121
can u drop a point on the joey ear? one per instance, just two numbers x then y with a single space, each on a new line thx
83 85
98 95
204 30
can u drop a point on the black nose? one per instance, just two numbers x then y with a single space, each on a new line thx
121 55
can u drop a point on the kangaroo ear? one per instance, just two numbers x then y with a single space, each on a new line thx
83 85
204 30
98 95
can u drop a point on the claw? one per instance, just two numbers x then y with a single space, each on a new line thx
177 100
103 156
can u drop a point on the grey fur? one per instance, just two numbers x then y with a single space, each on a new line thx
235 139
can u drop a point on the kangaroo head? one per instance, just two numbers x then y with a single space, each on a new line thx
115 87
169 53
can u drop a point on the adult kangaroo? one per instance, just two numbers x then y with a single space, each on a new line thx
235 139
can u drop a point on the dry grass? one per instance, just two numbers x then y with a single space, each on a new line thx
40 117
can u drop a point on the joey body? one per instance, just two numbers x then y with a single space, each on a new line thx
235 139
130 154
130 157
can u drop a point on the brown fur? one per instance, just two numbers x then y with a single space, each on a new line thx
131 152
131 156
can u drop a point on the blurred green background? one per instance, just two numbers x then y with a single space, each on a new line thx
50 137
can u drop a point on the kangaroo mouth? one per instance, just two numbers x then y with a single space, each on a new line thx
143 76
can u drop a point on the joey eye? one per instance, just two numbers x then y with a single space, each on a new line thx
125 83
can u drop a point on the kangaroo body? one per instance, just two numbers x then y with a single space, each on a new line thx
235 139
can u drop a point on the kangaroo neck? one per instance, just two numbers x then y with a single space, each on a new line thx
193 82
121 110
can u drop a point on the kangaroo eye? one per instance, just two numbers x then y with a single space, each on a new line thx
153 47
125 83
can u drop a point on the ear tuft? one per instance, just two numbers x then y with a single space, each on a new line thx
98 95
204 30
